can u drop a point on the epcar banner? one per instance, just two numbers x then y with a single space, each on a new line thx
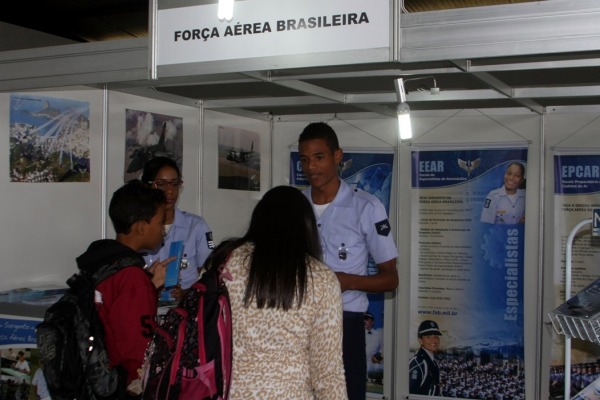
576 196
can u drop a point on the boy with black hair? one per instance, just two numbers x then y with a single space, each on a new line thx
127 301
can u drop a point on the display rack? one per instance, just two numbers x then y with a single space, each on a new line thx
579 317
576 317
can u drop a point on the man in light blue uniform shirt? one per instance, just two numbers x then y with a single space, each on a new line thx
352 224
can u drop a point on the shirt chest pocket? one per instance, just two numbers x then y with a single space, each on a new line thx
344 245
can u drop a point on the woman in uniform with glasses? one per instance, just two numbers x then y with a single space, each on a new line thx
163 173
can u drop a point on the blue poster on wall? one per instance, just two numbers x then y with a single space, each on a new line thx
371 172
17 331
467 269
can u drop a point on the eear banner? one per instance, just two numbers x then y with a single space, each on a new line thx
468 244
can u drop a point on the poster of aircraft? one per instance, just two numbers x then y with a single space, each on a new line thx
239 159
151 135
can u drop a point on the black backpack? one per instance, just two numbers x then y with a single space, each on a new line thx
189 356
70 340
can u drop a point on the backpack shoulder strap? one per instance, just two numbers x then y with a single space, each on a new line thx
223 272
84 281
107 270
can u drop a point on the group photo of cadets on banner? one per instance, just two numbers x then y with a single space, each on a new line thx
468 243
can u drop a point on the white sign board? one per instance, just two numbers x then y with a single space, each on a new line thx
264 28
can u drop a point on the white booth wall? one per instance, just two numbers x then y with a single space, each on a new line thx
190 198
47 225
228 211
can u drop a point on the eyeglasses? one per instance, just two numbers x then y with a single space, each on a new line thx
163 184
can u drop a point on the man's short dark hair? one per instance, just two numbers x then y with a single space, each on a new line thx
320 130
134 202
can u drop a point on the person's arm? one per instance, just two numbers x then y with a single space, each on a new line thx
385 280
378 240
35 381
488 210
415 376
204 243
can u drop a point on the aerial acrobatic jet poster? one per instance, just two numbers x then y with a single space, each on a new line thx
49 139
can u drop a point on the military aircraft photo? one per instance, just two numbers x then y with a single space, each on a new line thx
240 156
239 162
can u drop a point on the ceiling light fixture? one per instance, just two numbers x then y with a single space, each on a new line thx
225 11
403 111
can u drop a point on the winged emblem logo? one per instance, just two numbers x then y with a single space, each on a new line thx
469 165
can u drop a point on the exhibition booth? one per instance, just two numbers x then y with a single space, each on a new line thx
80 119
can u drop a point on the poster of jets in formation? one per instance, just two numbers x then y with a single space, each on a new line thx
49 139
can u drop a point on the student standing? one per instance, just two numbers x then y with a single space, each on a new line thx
286 305
39 384
352 224
21 364
163 173
127 301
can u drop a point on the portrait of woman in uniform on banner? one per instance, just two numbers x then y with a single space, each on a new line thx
506 204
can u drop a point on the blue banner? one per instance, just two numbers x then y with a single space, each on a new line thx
17 331
468 223
576 174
